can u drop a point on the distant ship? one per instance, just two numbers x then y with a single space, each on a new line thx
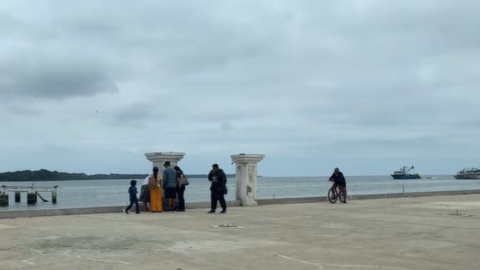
472 173
403 174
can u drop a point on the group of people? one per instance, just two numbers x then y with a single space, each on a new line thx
173 182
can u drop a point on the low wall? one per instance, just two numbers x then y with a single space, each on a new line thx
206 205
367 197
89 210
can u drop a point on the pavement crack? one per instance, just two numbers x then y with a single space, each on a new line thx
97 260
28 261
368 266
318 265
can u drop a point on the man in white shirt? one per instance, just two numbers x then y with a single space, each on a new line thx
145 194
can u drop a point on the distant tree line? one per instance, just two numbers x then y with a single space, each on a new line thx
46 175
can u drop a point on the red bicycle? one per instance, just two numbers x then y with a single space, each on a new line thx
337 192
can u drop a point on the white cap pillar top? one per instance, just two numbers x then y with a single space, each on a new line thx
246 171
159 158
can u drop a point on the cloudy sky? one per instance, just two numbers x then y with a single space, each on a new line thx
368 86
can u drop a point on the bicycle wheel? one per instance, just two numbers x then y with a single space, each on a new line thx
343 196
332 195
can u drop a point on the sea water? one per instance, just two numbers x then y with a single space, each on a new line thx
93 193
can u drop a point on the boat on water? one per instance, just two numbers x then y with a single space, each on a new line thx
403 174
472 173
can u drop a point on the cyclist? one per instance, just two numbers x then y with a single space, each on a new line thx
338 181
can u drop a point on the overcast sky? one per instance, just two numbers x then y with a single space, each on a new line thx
368 86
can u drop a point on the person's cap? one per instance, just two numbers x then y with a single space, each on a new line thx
167 163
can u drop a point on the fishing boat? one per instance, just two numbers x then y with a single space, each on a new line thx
472 173
403 174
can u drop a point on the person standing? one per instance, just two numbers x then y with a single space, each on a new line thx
169 180
218 188
154 184
145 193
132 191
180 185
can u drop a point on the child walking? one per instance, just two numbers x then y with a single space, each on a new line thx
132 191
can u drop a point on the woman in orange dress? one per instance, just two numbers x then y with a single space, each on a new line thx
154 184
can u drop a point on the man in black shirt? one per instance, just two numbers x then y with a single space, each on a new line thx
218 189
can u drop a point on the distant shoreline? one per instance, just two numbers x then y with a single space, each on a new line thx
46 175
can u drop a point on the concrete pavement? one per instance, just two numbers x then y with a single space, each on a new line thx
396 234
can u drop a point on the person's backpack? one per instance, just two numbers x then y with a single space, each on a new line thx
225 189
152 183
185 181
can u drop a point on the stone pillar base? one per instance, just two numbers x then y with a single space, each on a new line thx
246 172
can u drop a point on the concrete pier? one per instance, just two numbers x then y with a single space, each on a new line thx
428 233
32 193
201 205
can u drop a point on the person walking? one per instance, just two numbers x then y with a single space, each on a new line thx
154 184
132 191
169 180
145 193
181 183
218 188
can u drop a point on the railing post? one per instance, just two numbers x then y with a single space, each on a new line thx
18 197
31 197
4 198
54 196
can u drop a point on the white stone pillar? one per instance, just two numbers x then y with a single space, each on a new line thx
246 172
159 158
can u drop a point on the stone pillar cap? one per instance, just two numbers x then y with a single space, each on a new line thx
247 158
164 156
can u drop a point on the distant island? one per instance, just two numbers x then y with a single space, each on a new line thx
46 175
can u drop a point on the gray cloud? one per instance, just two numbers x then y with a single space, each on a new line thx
53 76
367 86
226 126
